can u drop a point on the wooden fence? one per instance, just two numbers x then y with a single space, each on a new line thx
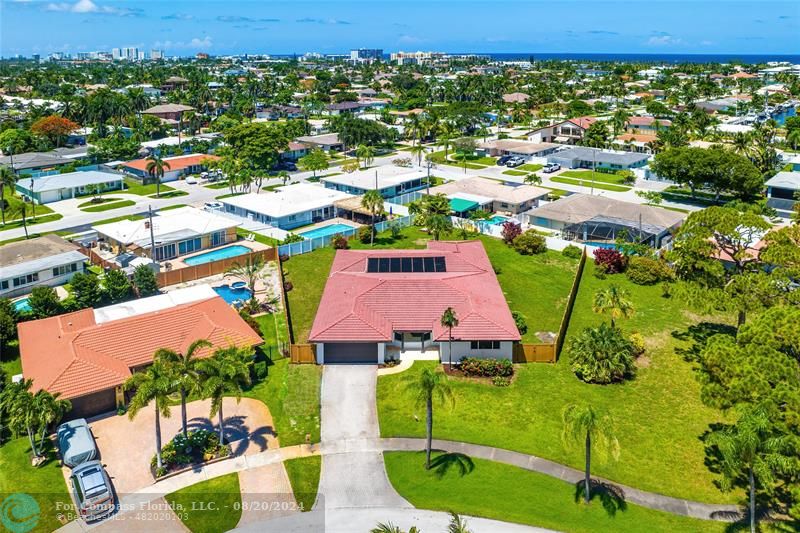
573 293
303 353
95 259
191 273
535 353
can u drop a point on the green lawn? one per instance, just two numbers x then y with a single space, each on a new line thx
40 219
10 361
45 484
263 239
587 183
14 203
503 492
168 194
217 185
133 186
99 200
304 476
211 506
530 167
660 419
228 195
108 207
167 208
555 193
588 175
515 173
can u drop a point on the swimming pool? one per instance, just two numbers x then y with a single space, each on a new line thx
22 306
324 231
231 295
606 245
497 219
216 255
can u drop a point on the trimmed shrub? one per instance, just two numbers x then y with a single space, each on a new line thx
364 234
250 320
339 242
519 320
511 230
472 366
530 243
572 251
647 271
637 342
610 261
602 355
292 237
260 369
501 381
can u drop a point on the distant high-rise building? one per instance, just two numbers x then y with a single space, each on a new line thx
366 54
36 57
201 55
130 53
116 54
155 55
405 58
141 55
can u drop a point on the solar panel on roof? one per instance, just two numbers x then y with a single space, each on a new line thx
372 264
406 264
395 265
429 265
439 264
418 265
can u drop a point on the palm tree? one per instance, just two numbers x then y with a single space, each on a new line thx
49 410
16 400
614 302
751 447
430 385
365 152
389 527
182 368
584 423
153 384
449 320
373 202
249 271
226 373
155 168
457 524
533 179
437 224
7 179
417 150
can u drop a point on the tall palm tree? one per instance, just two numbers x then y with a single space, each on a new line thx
366 153
153 384
751 447
49 409
584 423
436 224
429 386
7 179
249 271
418 151
614 302
16 400
155 168
226 373
449 320
373 202
182 368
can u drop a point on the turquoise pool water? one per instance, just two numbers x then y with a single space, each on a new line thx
22 306
324 231
606 245
216 255
497 219
232 295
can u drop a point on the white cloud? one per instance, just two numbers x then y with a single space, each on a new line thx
664 40
87 6
196 43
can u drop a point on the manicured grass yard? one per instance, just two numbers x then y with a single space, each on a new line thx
589 183
217 185
531 167
99 200
45 484
10 361
209 506
13 203
133 186
515 172
108 206
588 175
504 492
263 239
659 416
304 476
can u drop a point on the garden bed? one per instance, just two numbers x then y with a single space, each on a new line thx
200 447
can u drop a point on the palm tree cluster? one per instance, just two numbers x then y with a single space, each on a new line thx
34 413
226 372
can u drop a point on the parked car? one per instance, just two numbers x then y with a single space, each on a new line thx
551 167
515 161
75 442
212 206
503 160
191 180
287 165
91 489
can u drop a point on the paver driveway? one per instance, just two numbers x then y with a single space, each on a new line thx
126 446
352 476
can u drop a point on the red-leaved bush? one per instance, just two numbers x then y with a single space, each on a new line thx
511 230
610 261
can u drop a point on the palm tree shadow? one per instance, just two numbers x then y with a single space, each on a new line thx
441 464
699 334
237 433
611 497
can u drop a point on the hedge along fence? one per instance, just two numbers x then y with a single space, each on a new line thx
573 293
204 270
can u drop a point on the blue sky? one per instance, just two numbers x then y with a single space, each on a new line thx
234 26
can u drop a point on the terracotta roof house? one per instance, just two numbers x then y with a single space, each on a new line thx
515 98
168 111
567 132
647 124
86 356
180 165
379 303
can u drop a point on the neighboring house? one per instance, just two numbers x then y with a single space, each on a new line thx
379 303
647 124
328 141
70 185
390 181
516 98
492 195
87 356
590 218
526 149
635 142
782 191
175 232
168 111
296 151
30 162
47 260
584 157
279 111
179 166
288 207
342 108
176 82
567 132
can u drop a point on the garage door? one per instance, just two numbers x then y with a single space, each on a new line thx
93 404
351 352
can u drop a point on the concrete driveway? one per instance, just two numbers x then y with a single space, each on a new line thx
352 475
126 446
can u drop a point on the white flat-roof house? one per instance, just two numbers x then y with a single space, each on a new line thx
175 232
389 180
512 199
288 207
47 260
781 191
70 185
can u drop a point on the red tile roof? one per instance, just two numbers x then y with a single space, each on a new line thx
175 163
647 121
73 355
368 306
583 122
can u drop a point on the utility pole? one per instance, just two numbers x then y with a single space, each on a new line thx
152 237
594 167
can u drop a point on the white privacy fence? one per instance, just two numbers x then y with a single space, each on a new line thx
309 245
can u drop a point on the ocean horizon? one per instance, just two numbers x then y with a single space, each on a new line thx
642 57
